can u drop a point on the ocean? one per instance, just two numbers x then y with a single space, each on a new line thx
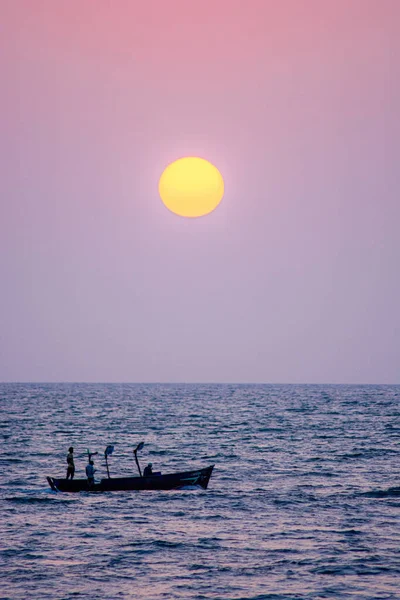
303 503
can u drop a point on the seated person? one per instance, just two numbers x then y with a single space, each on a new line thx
148 470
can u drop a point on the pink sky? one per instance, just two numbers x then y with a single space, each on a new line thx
294 278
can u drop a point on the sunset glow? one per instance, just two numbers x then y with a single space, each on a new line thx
191 187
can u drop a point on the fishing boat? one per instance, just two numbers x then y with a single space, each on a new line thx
155 481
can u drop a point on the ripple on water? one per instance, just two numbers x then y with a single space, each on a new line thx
302 504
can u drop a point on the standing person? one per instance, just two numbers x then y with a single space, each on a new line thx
90 471
70 463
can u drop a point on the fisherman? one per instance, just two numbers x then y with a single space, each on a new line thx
148 470
90 471
70 463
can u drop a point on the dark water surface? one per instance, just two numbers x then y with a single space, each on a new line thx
302 502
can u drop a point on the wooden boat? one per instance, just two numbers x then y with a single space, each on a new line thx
171 481
156 481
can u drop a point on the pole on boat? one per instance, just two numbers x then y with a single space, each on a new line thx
136 450
109 450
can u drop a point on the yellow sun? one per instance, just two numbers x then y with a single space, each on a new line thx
191 187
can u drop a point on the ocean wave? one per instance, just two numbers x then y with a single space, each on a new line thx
303 503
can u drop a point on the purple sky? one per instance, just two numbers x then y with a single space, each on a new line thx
294 278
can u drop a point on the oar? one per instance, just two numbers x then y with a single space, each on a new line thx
109 450
136 450
90 454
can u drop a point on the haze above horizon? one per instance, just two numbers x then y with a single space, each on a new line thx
293 277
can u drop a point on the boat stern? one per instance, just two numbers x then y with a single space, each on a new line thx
52 484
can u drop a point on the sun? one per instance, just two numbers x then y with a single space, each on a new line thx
191 187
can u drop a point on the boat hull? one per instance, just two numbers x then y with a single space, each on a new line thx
172 481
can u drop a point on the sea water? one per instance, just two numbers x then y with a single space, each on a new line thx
302 502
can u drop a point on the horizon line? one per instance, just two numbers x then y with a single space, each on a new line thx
67 382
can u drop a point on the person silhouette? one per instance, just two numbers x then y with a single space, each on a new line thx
70 463
148 470
90 471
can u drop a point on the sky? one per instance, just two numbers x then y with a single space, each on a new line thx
294 278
